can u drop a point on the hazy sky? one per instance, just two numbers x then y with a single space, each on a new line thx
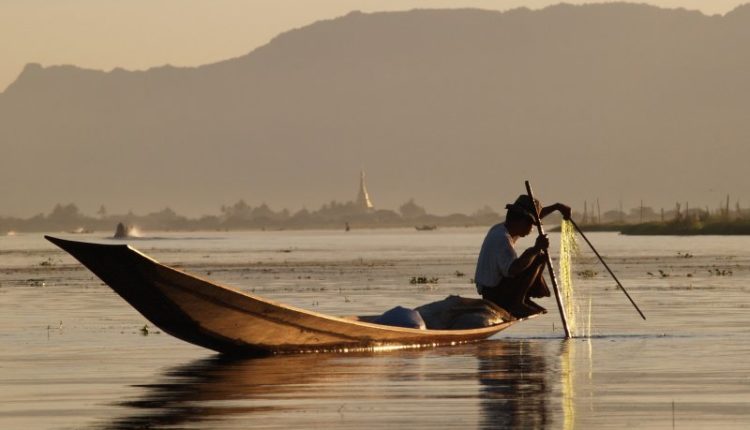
138 34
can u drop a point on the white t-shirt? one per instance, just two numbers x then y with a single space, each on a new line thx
495 257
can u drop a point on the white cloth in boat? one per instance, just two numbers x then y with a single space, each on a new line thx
497 254
401 317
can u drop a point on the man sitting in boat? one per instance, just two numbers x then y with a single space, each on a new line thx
503 277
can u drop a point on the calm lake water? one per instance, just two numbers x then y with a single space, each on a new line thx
74 355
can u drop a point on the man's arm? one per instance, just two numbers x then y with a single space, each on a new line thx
529 257
564 210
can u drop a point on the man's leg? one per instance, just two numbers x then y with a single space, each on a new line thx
512 293
538 288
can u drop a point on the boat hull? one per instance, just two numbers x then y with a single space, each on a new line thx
229 321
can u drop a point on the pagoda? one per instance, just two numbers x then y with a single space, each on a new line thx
363 198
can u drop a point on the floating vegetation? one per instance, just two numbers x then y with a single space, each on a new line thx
145 330
460 274
587 274
685 255
689 227
416 280
59 327
48 262
663 274
720 272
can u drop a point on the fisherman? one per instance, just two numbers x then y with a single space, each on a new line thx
121 232
505 278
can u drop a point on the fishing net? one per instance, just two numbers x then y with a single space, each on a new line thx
568 251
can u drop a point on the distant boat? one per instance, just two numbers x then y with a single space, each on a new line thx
425 227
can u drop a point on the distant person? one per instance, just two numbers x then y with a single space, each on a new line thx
121 232
502 276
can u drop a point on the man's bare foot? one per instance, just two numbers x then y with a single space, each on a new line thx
538 309
521 310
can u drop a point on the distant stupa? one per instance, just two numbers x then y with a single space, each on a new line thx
363 198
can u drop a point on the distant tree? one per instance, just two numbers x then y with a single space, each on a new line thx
301 217
165 214
648 213
263 212
64 213
411 210
239 211
485 211
613 216
102 212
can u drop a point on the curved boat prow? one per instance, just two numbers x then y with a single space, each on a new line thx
123 269
231 321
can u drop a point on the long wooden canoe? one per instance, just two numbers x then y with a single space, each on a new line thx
234 322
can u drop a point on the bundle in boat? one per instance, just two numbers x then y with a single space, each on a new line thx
461 313
451 313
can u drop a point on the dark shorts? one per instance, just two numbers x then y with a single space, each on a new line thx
511 291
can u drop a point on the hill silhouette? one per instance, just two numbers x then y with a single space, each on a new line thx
455 107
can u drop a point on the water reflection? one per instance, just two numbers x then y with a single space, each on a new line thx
492 384
213 389
567 362
514 389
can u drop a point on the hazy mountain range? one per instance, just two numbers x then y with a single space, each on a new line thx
453 107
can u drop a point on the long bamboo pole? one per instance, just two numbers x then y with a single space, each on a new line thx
607 267
540 229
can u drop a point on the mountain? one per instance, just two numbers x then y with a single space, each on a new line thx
453 107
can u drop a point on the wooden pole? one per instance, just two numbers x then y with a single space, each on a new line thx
727 211
641 211
585 213
607 267
552 277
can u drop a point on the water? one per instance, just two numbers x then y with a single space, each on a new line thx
74 356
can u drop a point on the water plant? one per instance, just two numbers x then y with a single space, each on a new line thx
415 280
587 274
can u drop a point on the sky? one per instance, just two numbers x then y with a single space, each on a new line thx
140 34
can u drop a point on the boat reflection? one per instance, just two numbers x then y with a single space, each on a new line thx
218 388
514 387
406 388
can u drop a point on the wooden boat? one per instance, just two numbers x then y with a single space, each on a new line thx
234 322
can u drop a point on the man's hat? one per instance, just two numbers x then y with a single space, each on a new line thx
524 206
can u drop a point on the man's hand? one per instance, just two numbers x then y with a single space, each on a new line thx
564 210
542 242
